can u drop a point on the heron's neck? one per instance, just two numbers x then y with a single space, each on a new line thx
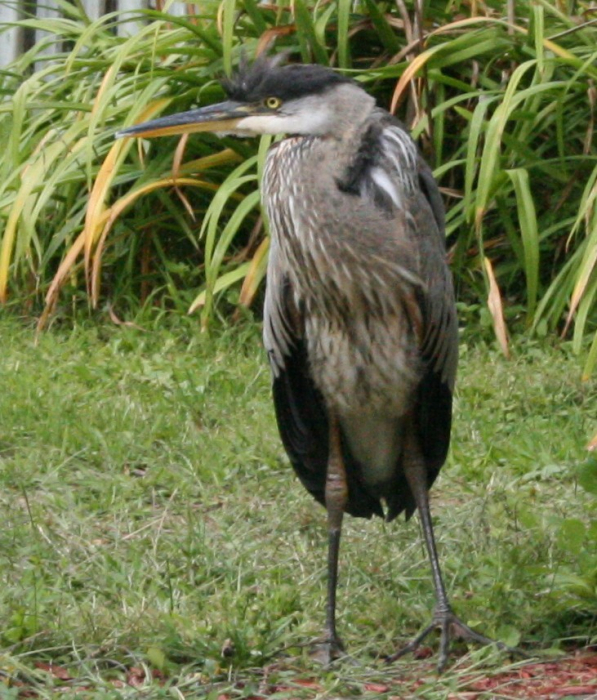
351 107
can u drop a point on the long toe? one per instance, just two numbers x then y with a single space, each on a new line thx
450 627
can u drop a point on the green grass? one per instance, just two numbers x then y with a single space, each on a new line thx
150 518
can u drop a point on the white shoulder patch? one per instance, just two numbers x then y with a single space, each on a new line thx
382 180
401 152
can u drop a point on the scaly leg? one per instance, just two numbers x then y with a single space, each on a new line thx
443 617
336 496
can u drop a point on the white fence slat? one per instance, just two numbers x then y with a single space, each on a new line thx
48 9
93 8
178 8
131 27
9 36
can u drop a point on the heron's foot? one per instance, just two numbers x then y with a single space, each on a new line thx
328 650
450 627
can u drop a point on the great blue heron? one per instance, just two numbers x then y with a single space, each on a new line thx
360 322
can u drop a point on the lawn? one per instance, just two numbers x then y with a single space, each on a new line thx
154 538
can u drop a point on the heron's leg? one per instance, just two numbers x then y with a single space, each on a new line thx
336 496
443 617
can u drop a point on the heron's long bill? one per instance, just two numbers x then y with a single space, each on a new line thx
224 116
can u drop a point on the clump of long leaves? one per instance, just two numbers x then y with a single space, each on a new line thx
71 194
503 102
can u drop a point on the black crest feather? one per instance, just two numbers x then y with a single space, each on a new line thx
267 78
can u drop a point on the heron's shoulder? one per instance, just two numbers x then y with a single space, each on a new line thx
397 146
385 163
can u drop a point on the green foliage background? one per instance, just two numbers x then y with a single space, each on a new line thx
501 97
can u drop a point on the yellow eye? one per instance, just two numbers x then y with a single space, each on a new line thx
272 102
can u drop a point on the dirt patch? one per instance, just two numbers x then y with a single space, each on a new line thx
573 677
570 678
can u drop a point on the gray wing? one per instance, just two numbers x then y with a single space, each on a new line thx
439 345
397 166
433 311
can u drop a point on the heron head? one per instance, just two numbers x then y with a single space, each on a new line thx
269 98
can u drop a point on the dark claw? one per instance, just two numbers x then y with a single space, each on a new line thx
450 626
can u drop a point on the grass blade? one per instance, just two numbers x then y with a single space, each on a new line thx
344 7
527 218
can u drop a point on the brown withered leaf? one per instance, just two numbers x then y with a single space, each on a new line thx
496 309
54 670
